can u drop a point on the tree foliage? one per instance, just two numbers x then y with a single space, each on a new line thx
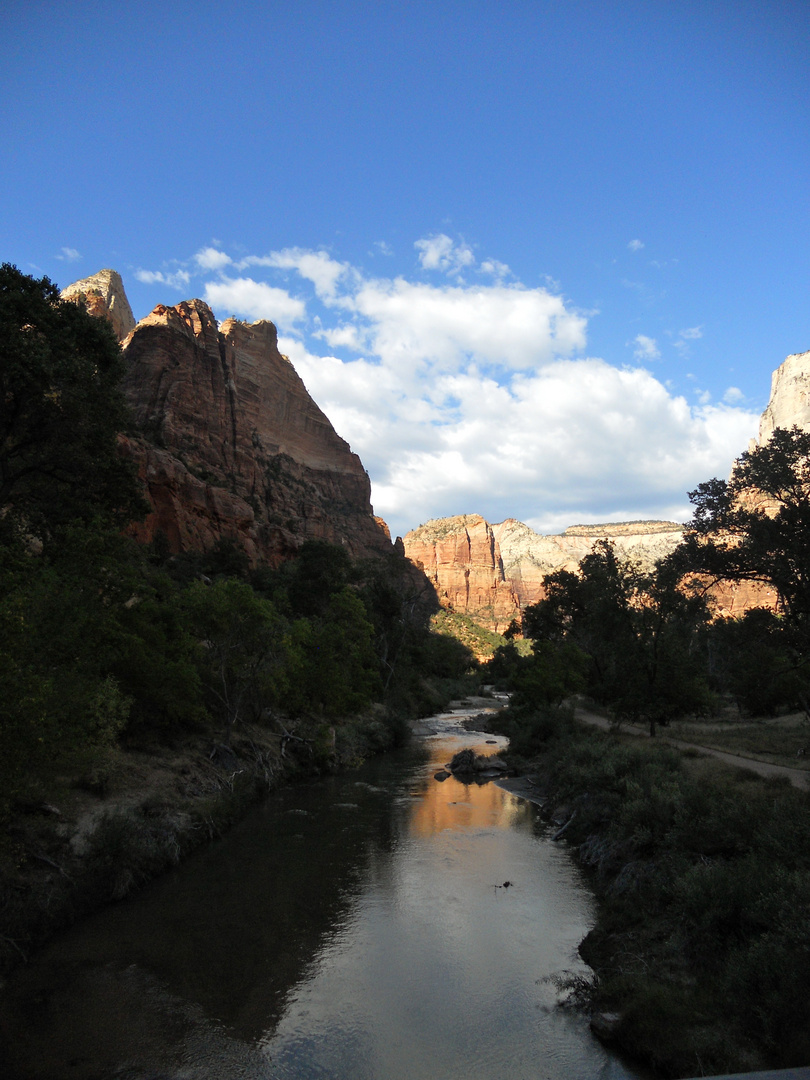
639 631
756 526
61 409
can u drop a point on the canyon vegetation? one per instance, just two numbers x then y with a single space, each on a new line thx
189 556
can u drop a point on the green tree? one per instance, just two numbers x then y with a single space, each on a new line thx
333 667
639 630
752 659
756 526
61 409
241 648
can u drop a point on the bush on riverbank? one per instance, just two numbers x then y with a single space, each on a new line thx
97 828
702 942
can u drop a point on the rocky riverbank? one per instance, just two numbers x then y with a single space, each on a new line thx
102 829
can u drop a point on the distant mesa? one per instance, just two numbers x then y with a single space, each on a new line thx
491 572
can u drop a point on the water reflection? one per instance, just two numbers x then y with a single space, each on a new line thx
356 927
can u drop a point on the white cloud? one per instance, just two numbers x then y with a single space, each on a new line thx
441 253
646 348
211 258
733 396
346 336
498 269
692 333
254 300
420 325
178 280
635 245
69 254
578 440
316 266
463 398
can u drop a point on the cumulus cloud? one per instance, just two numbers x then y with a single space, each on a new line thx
316 266
498 269
635 245
442 253
424 326
177 280
478 397
211 258
646 348
691 333
733 396
69 254
255 300
577 440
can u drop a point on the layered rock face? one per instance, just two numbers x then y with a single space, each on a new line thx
491 572
462 559
229 444
103 295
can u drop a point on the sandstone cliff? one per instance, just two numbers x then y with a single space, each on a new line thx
229 443
103 295
789 402
491 572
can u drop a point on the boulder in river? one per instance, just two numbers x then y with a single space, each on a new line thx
467 761
463 762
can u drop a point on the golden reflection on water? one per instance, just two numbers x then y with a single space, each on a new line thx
451 804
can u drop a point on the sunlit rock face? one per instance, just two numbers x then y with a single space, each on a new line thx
103 295
491 572
789 403
229 443
462 559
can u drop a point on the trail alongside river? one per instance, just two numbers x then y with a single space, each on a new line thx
799 778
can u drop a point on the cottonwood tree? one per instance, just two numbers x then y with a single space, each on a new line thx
242 649
756 527
638 629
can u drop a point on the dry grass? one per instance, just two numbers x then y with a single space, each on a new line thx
776 740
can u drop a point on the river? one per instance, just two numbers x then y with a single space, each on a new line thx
359 927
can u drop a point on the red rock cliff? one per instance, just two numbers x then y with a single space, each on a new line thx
229 443
491 572
234 446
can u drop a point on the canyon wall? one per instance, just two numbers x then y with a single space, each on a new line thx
228 442
789 402
491 572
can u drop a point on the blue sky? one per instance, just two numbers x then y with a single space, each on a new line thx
534 260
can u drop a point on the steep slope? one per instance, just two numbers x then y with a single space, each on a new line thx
789 402
103 295
229 442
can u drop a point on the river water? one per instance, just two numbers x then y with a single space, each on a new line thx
353 928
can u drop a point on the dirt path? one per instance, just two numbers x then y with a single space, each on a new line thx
799 778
